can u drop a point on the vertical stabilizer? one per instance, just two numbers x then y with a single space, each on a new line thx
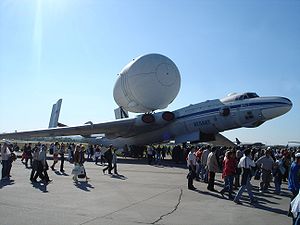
55 114
120 113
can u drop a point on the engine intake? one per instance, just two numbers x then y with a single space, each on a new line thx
157 118
148 118
168 116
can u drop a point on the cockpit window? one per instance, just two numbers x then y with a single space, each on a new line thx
242 97
247 96
237 97
252 95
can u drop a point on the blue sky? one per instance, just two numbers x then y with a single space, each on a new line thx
74 49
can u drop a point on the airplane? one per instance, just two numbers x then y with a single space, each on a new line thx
248 144
200 122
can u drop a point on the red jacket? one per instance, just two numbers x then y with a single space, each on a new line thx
229 167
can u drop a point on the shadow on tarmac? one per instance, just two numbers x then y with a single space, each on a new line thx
84 185
261 204
143 161
41 186
4 183
118 176
61 173
214 194
271 209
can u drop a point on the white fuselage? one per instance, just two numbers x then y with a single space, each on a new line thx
210 117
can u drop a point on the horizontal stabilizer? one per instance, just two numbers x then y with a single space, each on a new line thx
61 125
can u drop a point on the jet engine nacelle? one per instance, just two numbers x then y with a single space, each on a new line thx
156 118
147 83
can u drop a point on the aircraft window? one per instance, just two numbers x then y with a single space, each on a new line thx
252 95
242 97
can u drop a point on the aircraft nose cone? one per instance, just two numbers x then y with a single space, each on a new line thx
283 105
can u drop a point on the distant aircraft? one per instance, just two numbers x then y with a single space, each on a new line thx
201 122
249 144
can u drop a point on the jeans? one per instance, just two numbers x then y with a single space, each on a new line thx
248 186
228 184
277 187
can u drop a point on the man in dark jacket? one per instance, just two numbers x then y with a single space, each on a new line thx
108 156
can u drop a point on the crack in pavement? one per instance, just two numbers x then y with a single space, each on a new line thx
128 206
169 213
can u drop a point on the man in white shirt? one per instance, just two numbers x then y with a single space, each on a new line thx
212 167
204 172
191 163
245 163
265 163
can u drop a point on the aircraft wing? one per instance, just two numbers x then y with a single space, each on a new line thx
222 141
113 129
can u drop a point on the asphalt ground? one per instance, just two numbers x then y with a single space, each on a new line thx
142 194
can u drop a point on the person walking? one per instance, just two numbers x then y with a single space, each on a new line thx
6 162
97 154
76 162
36 169
294 178
108 156
79 160
204 172
265 163
150 152
238 156
277 174
56 148
213 167
191 163
28 155
114 162
43 165
245 164
62 157
229 170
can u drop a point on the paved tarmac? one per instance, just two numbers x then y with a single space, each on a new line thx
142 195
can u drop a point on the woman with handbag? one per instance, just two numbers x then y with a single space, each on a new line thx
79 171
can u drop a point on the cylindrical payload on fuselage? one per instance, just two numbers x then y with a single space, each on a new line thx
147 83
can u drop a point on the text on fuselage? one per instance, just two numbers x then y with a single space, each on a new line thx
201 123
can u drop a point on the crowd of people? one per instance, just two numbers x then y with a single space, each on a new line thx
237 165
34 157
